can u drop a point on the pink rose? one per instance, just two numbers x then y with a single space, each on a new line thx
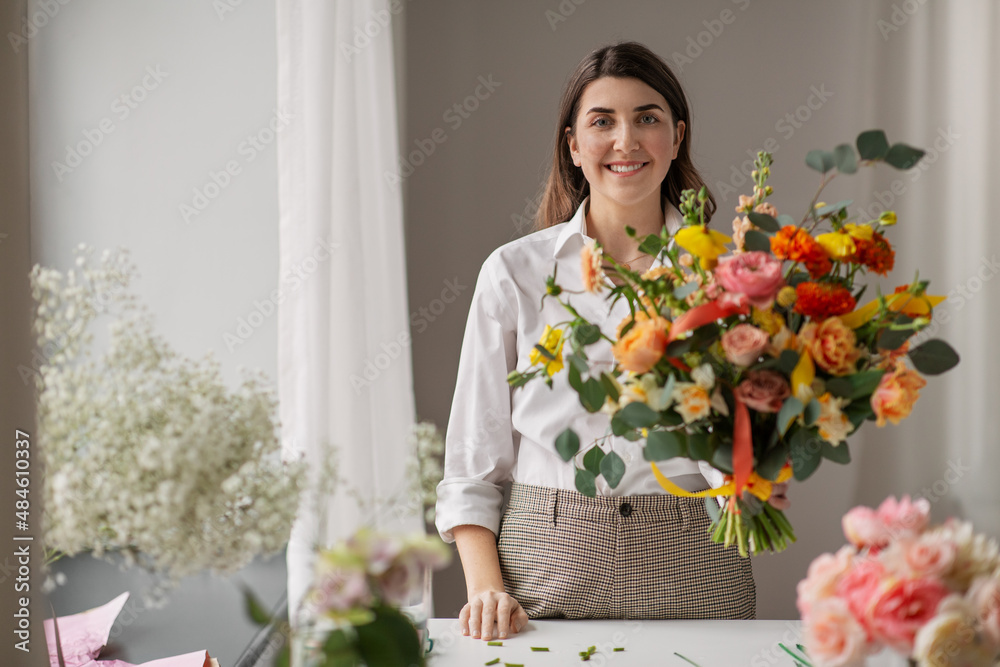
833 636
864 528
744 343
904 517
763 391
858 586
821 581
756 274
984 594
930 555
903 608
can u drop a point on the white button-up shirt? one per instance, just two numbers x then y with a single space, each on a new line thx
496 433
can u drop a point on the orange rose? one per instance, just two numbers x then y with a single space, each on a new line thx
643 345
831 344
897 391
591 259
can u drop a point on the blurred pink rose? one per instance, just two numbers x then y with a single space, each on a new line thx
341 590
984 594
756 274
930 555
864 528
859 585
744 343
821 581
902 608
833 636
763 391
904 517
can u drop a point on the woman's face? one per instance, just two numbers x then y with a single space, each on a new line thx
624 140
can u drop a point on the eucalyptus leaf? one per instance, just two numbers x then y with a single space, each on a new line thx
544 352
821 161
845 159
785 220
699 447
722 457
390 639
254 609
864 383
592 459
639 415
837 453
812 412
832 208
893 339
764 221
934 357
586 483
567 444
613 469
787 361
663 445
712 507
790 409
592 396
903 157
618 425
754 240
686 289
805 451
872 145
651 245
773 461
609 386
586 334
839 387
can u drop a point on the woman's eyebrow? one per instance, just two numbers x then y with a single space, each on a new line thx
644 107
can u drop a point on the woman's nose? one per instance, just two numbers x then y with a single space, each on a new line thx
626 140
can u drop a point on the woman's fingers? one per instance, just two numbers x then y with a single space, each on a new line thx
475 616
489 616
519 619
491 610
463 618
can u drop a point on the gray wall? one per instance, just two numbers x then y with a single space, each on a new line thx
474 191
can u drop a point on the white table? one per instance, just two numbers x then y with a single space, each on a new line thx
646 644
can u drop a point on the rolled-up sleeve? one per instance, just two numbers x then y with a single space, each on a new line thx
480 442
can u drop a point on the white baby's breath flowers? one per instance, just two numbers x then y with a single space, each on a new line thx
148 453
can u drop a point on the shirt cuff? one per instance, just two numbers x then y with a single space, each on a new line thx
462 501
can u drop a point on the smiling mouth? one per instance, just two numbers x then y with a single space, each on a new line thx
625 169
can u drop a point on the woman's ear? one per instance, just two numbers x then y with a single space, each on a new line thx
574 148
678 137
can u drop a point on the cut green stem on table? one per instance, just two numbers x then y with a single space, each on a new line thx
618 648
799 659
688 660
494 661
539 648
494 643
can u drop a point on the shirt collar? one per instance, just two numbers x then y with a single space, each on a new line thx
576 226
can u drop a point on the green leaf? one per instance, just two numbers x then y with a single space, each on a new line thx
754 240
254 609
821 161
839 387
651 245
836 453
609 386
618 425
812 412
686 289
722 458
544 352
872 145
340 651
934 357
831 208
790 409
712 507
858 411
639 415
892 339
903 157
805 452
586 483
864 383
593 395
575 381
699 447
390 639
787 361
764 221
592 459
774 460
843 156
567 444
578 360
613 469
663 445
785 220
586 334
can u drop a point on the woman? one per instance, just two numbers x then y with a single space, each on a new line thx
621 158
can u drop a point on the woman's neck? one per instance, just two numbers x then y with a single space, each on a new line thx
606 222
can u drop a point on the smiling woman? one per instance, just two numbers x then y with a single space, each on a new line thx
620 160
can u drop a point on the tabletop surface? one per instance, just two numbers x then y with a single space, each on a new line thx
646 643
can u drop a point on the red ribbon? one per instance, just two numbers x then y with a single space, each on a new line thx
742 447
722 307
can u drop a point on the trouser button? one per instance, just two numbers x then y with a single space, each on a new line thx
625 509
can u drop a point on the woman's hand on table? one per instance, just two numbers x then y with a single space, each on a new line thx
490 607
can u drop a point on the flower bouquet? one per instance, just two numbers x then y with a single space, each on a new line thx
359 609
754 359
929 593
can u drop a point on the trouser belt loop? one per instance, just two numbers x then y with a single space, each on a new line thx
552 508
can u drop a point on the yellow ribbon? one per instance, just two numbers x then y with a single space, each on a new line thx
756 485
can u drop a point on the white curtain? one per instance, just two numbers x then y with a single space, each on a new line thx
345 376
935 83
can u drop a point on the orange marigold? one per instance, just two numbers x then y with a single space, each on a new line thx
876 254
796 244
822 300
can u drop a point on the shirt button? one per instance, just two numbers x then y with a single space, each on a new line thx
625 509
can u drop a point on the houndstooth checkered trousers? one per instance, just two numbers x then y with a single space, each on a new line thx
564 555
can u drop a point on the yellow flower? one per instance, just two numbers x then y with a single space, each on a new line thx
900 302
859 232
551 340
838 245
887 219
787 296
705 243
768 320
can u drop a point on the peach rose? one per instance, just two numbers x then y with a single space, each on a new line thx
831 344
984 594
949 639
591 259
643 345
833 636
744 343
821 579
901 608
895 395
859 585
763 391
904 516
929 555
864 528
756 274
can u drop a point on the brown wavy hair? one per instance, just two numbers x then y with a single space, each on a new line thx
566 186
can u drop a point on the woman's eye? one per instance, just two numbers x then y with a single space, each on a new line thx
649 119
601 122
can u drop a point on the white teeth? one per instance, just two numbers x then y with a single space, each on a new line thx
620 169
